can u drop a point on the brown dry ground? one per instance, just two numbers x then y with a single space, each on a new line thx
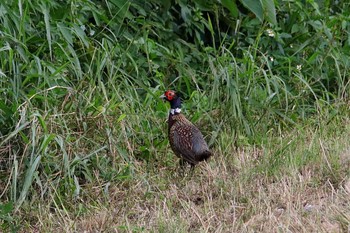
236 191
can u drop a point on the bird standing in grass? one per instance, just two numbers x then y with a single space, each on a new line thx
186 140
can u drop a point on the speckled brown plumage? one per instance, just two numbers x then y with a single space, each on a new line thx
186 140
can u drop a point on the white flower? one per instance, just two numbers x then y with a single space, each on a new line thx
299 67
271 59
270 32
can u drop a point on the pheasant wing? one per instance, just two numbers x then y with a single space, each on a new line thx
188 142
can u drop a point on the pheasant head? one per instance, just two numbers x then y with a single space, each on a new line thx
174 100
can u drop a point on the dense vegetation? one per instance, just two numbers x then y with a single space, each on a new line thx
81 121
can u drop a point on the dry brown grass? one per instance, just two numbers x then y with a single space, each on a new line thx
228 194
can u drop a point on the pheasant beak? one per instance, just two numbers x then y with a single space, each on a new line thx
163 97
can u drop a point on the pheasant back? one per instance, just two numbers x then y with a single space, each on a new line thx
186 140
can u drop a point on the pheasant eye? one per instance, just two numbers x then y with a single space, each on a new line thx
170 95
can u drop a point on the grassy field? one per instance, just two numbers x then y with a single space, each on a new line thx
297 181
83 133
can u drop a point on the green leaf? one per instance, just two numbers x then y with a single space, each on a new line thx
46 13
81 35
6 208
121 117
66 33
256 7
231 6
123 9
28 181
204 5
46 141
270 11
185 13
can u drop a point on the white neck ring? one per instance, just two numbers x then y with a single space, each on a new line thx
176 110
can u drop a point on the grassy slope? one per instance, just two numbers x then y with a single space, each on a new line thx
298 182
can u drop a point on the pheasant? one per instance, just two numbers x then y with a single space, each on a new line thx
185 139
